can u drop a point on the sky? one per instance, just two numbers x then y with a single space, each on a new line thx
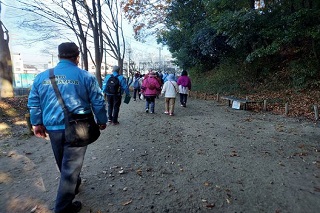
39 53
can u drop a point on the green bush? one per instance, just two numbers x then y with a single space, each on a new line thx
226 78
303 73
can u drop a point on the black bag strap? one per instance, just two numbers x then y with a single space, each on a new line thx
173 86
115 76
58 94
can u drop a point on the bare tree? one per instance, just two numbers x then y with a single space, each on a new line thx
55 17
113 33
93 13
88 23
6 74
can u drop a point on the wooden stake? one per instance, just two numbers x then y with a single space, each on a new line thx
316 112
265 105
286 109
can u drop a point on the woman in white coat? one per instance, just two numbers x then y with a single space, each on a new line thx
169 91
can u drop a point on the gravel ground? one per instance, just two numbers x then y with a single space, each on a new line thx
206 158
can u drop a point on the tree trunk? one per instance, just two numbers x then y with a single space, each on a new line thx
81 36
6 74
120 64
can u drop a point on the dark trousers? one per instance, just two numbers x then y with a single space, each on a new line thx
114 102
183 99
135 91
150 100
69 161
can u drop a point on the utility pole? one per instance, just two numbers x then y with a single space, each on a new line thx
160 48
129 51
105 62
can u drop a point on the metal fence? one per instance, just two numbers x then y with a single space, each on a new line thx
21 91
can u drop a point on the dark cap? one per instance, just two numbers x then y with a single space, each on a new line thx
68 50
115 69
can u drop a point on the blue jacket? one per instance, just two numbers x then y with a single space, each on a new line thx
123 84
79 90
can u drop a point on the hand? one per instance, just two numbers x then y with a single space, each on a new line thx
102 126
40 131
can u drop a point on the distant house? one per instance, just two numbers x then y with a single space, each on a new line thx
104 70
23 74
25 78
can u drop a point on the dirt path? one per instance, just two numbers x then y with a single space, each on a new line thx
206 158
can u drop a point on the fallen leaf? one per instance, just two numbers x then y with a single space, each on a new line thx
233 154
139 172
317 189
34 209
228 201
127 203
207 183
210 205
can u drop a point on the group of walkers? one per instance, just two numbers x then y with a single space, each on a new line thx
151 85
67 90
148 87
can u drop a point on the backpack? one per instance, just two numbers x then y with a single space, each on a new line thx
150 85
136 83
113 85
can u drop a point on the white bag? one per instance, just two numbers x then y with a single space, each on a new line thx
141 96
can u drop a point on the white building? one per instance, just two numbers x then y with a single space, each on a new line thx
23 75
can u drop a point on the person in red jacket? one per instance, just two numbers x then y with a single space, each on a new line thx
150 89
184 83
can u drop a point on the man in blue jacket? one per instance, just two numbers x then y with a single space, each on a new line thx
114 95
82 95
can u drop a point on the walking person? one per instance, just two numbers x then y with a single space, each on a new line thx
164 77
82 95
114 85
170 90
136 86
150 89
184 83
160 82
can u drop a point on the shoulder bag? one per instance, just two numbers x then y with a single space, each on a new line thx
80 129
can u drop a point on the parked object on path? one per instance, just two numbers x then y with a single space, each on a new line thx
236 103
